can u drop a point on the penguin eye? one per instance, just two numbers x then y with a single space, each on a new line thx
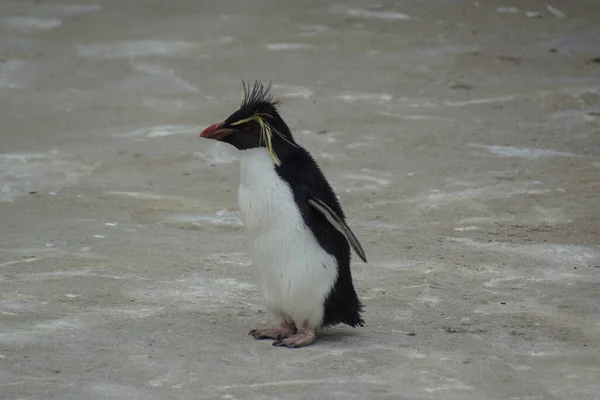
246 127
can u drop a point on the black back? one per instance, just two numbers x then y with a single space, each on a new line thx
305 178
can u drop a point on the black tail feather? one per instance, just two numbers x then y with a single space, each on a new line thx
343 305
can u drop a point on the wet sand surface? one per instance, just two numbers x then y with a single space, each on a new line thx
462 137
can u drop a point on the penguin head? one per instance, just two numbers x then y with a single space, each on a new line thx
255 124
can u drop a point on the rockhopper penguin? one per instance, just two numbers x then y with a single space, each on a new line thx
295 228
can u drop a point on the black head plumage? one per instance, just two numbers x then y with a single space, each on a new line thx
256 123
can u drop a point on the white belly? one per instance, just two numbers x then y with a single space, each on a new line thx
295 274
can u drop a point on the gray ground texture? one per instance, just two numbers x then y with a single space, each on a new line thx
462 137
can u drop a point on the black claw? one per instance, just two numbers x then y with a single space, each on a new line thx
258 336
254 333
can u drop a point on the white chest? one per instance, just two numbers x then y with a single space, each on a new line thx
265 201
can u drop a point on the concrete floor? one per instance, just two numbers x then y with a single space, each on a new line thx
462 137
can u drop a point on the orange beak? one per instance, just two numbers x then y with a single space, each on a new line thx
215 131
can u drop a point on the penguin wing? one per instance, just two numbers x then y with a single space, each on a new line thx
338 223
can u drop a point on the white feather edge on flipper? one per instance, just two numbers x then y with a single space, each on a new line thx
339 224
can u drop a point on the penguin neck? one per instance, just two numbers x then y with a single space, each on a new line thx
255 164
261 154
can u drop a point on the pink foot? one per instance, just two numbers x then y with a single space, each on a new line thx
300 339
285 330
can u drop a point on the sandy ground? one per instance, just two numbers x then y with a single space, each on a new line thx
462 137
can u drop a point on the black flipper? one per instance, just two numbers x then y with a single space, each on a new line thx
338 223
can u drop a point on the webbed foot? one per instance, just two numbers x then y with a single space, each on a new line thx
285 330
300 339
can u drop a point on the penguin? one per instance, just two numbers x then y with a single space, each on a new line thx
294 226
